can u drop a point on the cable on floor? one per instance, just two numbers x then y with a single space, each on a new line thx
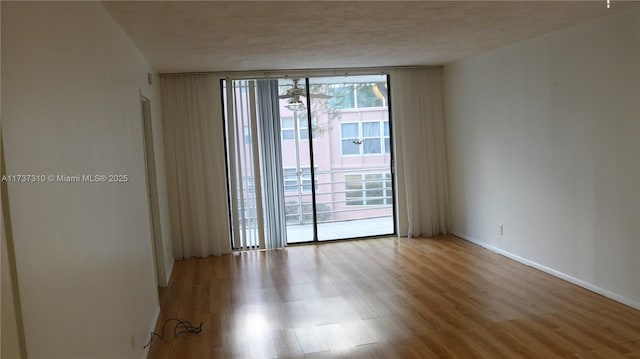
181 327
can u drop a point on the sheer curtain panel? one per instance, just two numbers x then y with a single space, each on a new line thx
421 165
195 159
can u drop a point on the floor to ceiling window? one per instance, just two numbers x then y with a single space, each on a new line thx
334 159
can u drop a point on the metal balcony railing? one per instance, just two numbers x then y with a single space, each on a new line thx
337 200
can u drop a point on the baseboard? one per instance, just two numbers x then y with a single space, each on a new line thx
579 282
154 322
145 352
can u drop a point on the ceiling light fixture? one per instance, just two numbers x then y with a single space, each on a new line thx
295 104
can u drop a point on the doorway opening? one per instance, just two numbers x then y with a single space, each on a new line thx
152 192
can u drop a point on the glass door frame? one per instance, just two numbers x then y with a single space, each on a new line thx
392 169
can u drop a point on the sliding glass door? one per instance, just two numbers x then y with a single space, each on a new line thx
296 161
334 159
352 153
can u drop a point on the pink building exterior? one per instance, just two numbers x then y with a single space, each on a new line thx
351 158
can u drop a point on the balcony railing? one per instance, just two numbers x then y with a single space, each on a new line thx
337 200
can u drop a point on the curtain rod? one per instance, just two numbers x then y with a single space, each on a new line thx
299 72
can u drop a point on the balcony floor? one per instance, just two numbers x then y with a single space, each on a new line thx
341 230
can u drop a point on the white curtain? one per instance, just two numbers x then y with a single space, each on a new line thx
195 158
420 156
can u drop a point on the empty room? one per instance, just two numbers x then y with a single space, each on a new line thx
340 179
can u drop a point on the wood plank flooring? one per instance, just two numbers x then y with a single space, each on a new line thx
387 298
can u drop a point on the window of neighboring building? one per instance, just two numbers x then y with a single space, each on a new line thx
385 137
371 139
365 138
371 189
288 130
350 136
350 96
303 127
291 179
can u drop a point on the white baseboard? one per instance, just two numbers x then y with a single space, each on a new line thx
154 322
589 286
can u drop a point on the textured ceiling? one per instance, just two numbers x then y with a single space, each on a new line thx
188 36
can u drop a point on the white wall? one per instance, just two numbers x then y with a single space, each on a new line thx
544 138
9 338
70 89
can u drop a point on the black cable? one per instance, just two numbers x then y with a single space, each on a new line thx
186 327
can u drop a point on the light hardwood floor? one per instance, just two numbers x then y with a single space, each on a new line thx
387 298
